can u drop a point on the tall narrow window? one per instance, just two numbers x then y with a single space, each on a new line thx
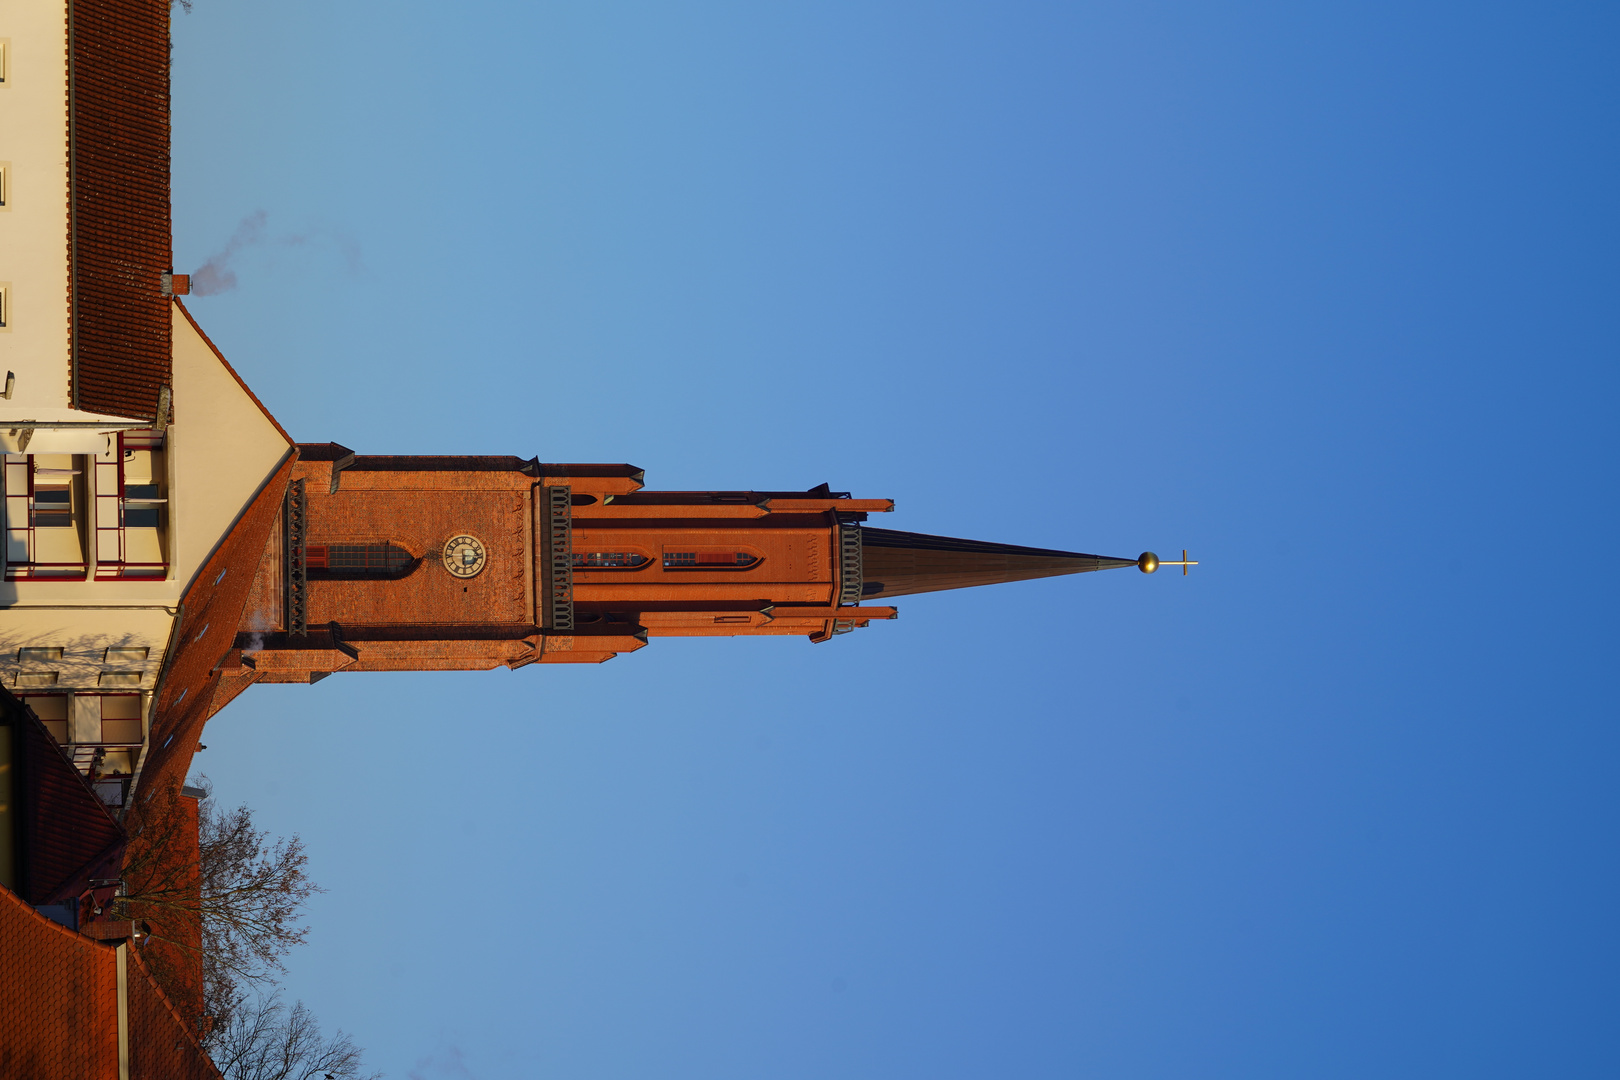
358 561
710 559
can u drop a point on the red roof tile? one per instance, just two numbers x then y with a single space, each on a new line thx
165 855
161 1043
59 1007
66 834
118 229
58 998
206 631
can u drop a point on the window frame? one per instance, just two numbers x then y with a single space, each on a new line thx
580 566
712 552
318 561
113 509
22 471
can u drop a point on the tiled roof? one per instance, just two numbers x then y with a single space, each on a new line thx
59 1007
67 835
161 1044
58 998
174 950
205 632
119 231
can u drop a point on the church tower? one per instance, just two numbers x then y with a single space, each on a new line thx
436 563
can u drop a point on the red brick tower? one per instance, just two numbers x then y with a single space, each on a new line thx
432 563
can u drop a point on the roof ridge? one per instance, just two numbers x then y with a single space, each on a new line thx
168 1003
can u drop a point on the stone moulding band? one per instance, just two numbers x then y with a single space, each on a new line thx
850 577
559 556
296 517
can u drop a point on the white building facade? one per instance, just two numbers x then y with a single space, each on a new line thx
129 446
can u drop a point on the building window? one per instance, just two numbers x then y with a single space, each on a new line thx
358 561
53 506
126 654
52 710
39 654
131 509
710 559
120 678
121 720
102 733
5 185
610 560
141 506
44 517
5 306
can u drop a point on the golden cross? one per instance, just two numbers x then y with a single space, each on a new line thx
1183 563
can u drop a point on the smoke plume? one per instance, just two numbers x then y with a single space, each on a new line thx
218 274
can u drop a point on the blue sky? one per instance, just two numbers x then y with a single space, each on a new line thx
1325 295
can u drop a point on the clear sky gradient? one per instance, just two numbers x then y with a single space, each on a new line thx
1324 293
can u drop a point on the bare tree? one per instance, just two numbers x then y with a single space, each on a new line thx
252 893
240 899
227 896
265 1040
234 899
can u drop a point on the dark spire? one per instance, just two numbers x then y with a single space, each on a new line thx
900 563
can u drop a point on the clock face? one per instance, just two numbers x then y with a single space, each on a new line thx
464 556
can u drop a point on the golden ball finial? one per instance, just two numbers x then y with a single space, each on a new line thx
1148 562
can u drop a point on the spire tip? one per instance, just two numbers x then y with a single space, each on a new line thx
1148 562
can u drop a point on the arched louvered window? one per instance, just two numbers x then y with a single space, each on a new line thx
357 561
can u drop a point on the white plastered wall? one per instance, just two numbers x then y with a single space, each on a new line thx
222 449
34 221
84 635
